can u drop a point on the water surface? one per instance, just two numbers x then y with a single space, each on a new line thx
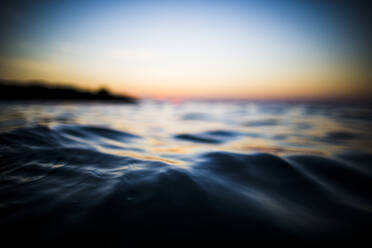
195 170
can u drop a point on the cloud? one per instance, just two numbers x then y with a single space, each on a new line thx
120 53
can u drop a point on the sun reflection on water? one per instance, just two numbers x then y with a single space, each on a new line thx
167 132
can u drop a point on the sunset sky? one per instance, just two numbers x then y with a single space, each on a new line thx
191 49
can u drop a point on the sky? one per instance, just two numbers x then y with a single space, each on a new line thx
191 49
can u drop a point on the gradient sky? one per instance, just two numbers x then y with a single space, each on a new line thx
197 49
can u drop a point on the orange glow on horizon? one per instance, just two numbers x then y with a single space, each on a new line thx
191 50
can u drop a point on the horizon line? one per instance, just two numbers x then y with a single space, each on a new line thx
362 97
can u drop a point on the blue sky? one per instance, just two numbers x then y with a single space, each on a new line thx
189 48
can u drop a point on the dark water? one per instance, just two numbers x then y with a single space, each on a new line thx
212 171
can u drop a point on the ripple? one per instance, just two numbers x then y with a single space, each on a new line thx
339 136
210 137
197 138
94 131
263 122
95 183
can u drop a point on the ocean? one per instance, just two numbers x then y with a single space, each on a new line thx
197 170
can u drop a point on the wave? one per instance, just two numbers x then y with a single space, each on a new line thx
211 137
56 183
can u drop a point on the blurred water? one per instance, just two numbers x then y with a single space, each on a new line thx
195 170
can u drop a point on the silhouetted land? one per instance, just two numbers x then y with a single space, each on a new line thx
39 91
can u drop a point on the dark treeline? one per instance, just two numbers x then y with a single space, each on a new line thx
39 91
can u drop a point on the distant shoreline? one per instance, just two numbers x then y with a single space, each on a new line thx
38 92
